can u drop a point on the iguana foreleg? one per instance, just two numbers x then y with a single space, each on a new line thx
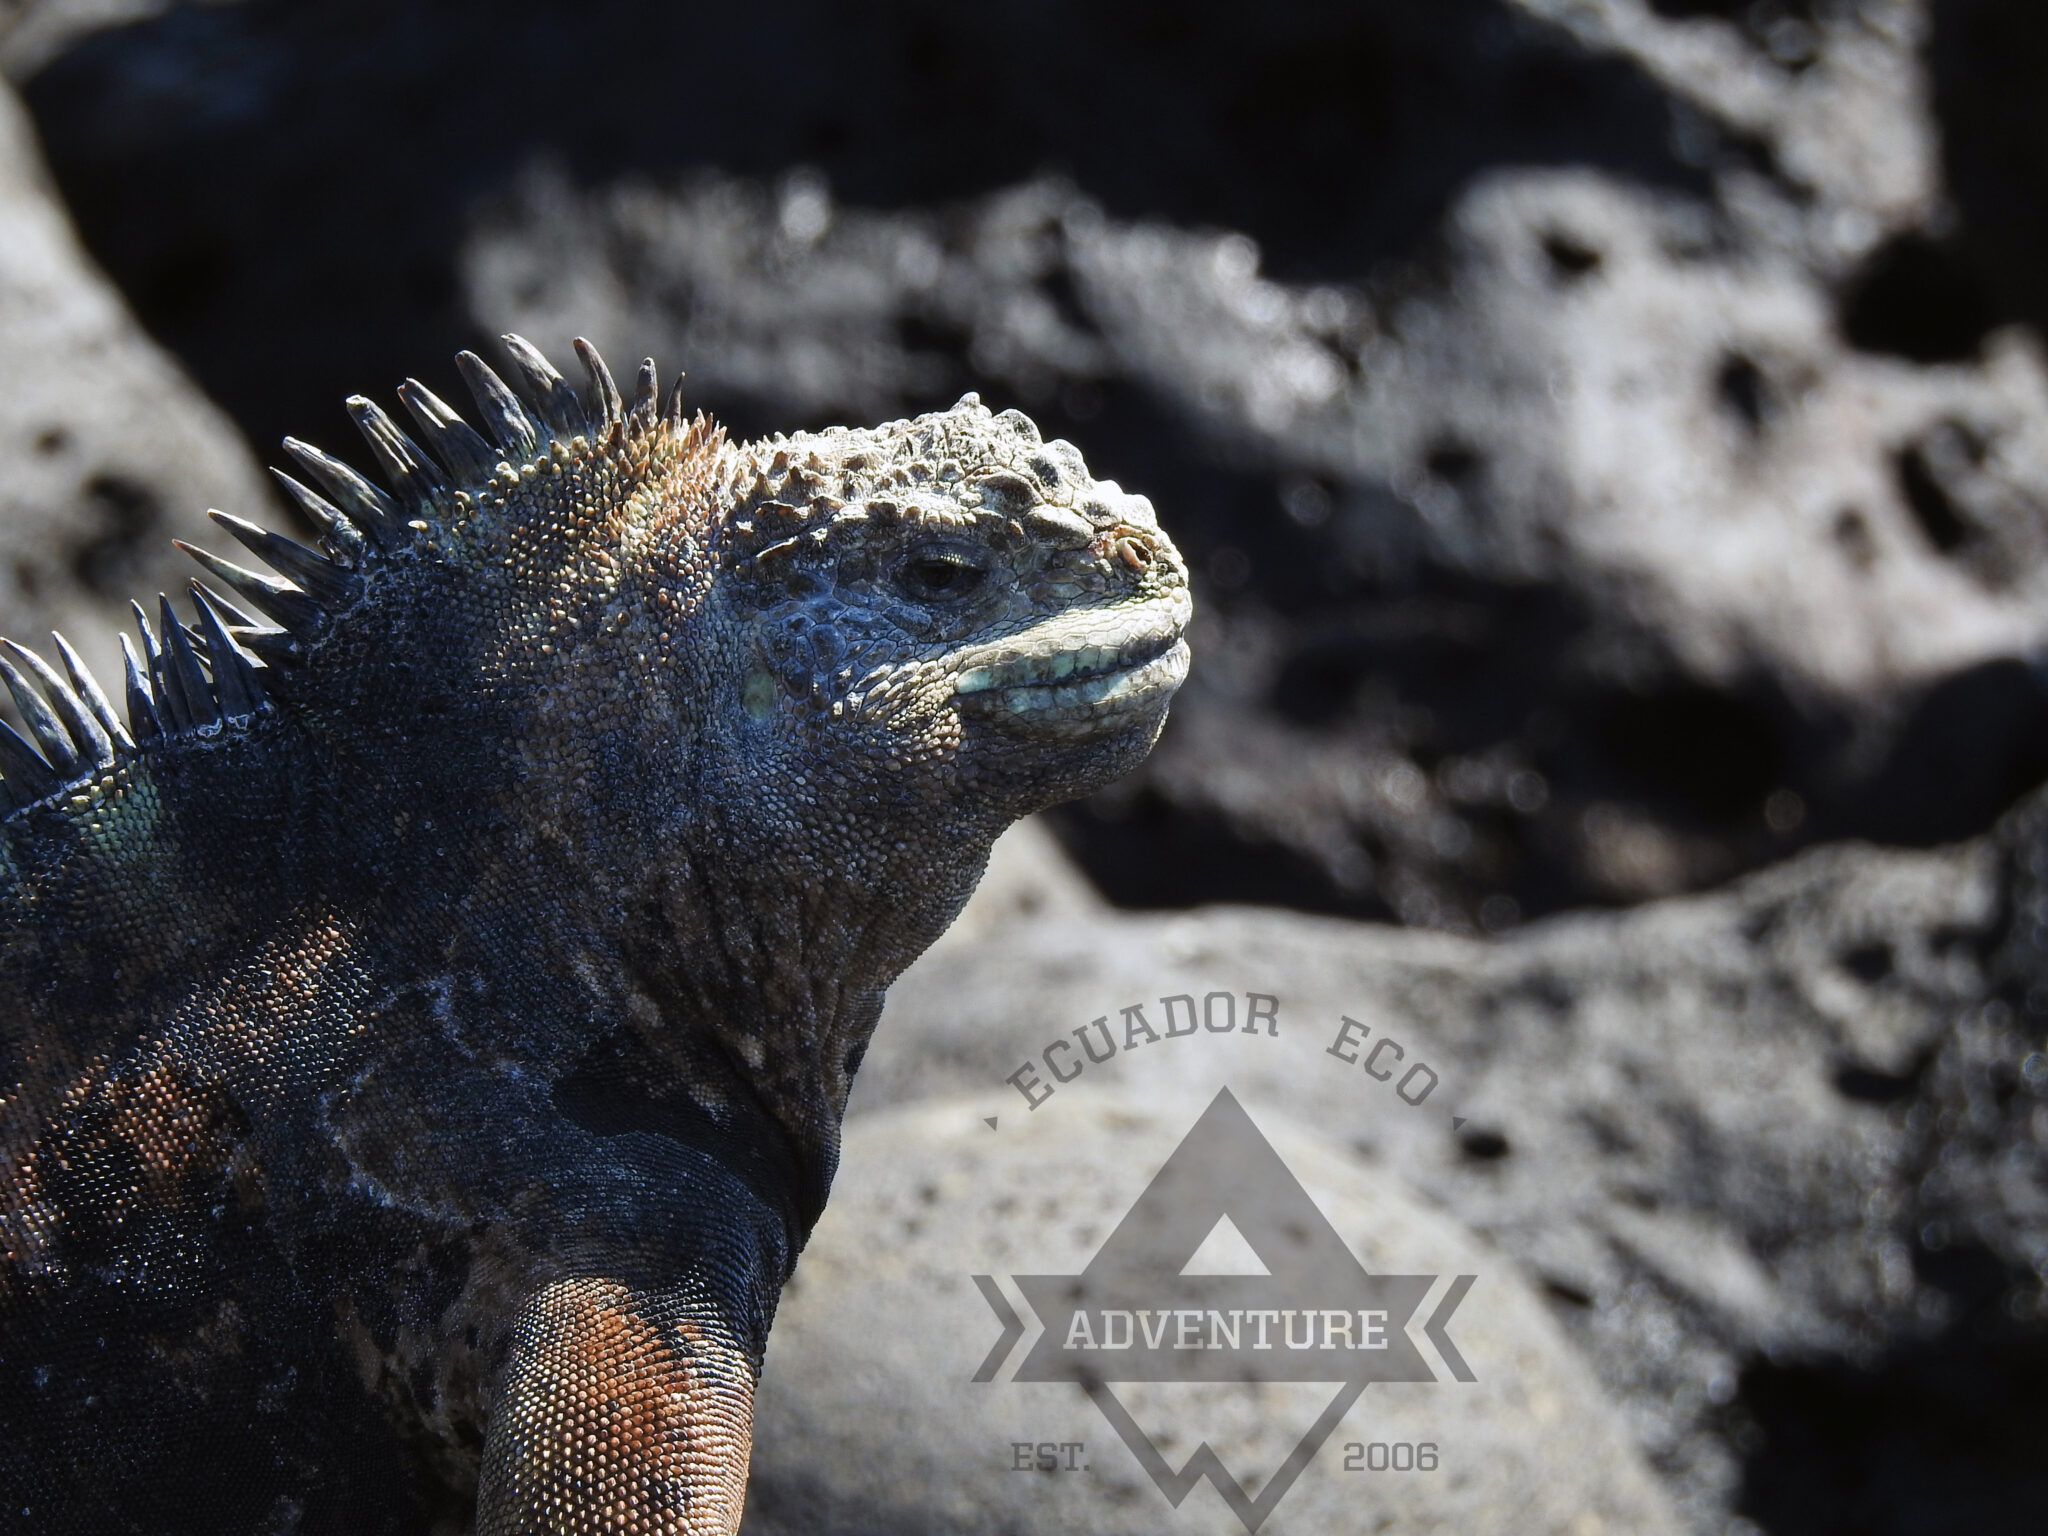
620 1411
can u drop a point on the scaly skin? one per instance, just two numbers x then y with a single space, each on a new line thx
422 1055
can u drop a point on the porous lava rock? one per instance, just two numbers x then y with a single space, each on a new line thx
110 451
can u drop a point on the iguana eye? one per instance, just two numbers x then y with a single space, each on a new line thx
938 575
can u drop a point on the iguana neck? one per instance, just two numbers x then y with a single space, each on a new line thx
757 960
650 857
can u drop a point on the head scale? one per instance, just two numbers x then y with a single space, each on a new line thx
953 602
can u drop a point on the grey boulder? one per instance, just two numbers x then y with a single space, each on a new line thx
869 1419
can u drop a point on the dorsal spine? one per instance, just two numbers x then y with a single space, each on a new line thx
198 678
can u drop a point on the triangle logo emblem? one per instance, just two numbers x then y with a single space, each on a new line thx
1224 1252
1224 1270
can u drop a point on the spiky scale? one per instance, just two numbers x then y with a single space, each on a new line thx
42 721
548 391
275 648
517 432
234 684
646 396
88 738
321 578
182 670
468 459
170 703
230 613
343 536
29 778
416 481
88 689
142 718
374 512
291 607
604 389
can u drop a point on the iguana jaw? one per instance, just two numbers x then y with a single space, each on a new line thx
1079 674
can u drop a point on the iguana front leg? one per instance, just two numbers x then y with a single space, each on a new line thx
620 1411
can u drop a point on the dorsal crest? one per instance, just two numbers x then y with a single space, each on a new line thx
216 671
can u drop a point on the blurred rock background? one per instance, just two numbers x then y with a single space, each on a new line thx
1611 437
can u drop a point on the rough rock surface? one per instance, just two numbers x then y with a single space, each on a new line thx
110 452
33 32
883 1311
1758 1144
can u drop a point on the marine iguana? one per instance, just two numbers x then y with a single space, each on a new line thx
425 1025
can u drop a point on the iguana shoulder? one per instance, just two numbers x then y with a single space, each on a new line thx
425 1019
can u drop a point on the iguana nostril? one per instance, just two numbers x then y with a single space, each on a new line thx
1122 542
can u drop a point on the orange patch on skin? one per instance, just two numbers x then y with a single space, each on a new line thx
609 1421
159 1112
170 1125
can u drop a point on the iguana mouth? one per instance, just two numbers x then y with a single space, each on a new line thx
1079 673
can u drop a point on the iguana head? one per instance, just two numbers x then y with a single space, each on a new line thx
953 608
